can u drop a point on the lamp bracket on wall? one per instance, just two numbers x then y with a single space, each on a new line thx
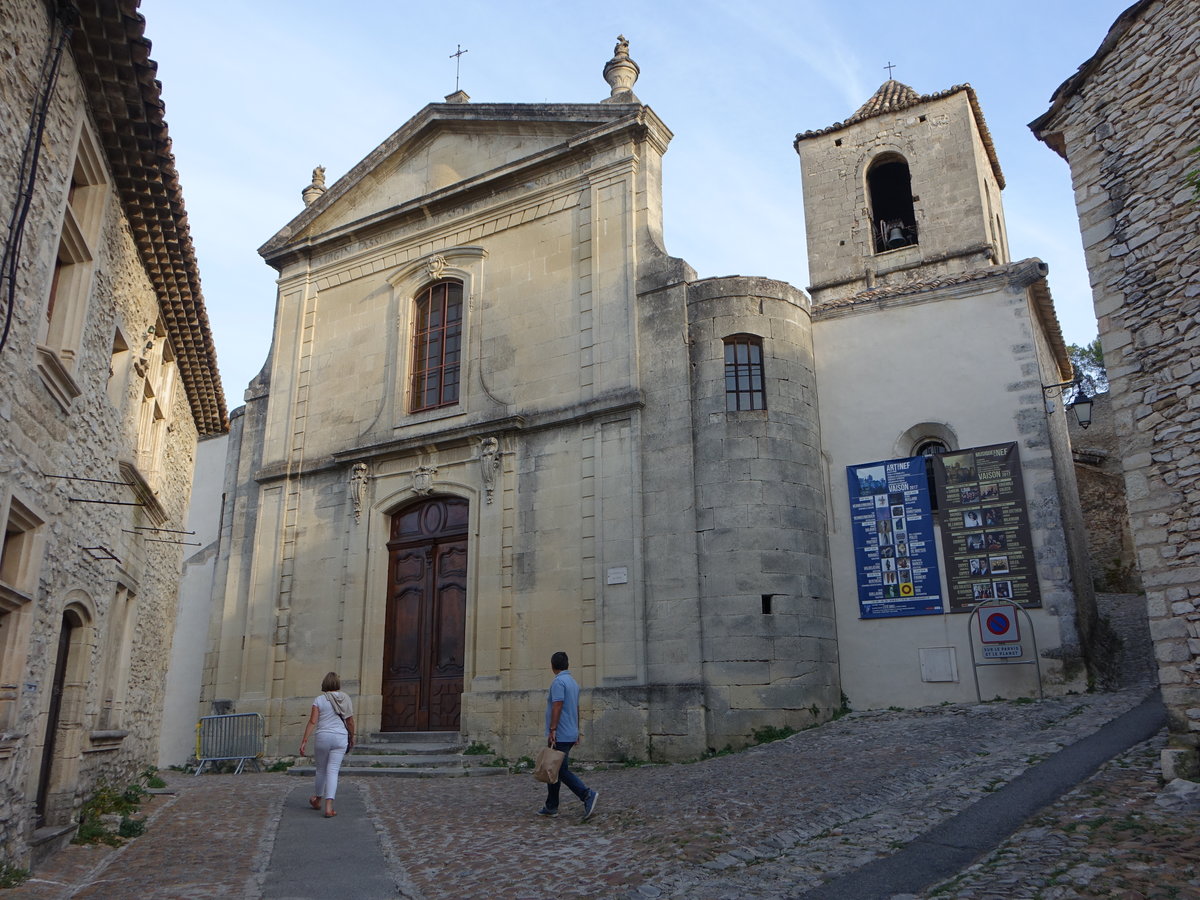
1081 403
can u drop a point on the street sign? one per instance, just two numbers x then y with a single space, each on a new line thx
998 625
1001 651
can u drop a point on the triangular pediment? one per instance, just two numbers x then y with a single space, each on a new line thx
443 146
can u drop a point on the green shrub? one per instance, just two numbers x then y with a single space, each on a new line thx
110 800
11 876
769 733
131 827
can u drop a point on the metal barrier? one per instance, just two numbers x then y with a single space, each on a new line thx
221 738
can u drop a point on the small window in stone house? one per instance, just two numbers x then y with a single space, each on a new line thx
121 623
437 346
893 218
118 370
19 555
70 286
744 377
931 447
156 365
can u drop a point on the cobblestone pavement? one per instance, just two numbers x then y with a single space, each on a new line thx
1106 838
770 822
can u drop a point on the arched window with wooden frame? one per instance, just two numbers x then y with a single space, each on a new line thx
893 218
744 376
437 346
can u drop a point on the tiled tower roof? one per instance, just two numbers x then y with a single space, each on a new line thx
893 96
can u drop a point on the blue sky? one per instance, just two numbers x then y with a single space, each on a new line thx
258 92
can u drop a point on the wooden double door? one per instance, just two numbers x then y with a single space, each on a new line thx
425 643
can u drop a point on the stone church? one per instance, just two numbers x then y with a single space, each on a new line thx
498 420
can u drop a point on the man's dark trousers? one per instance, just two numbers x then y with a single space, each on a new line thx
565 776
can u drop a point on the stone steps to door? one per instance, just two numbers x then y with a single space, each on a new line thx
406 761
403 772
418 754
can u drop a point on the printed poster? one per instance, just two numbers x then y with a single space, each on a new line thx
894 551
985 527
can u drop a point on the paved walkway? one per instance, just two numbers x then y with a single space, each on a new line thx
775 821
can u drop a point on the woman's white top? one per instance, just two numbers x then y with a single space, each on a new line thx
328 721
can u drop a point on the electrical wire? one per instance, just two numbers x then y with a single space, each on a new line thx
60 34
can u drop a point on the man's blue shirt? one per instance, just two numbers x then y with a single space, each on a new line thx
564 688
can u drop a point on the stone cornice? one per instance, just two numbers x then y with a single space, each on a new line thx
614 124
463 432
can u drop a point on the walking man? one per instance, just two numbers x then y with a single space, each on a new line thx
562 733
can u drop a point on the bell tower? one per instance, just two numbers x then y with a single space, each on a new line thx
906 189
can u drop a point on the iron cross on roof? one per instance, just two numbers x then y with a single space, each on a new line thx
457 57
889 67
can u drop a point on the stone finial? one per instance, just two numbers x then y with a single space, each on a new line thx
317 188
621 72
459 96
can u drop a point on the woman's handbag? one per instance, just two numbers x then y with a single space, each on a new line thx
545 767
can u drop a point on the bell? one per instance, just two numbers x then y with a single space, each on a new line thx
896 237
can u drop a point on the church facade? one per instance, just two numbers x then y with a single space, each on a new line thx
499 420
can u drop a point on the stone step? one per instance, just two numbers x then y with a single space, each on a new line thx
393 748
401 772
427 760
415 737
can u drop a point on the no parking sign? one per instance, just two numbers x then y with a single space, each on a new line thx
998 625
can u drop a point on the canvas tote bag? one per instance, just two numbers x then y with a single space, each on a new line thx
546 765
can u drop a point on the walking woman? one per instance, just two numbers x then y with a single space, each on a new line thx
333 718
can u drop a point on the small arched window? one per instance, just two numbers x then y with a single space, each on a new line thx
893 220
437 345
931 447
744 382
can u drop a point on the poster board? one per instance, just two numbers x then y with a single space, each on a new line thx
985 527
895 553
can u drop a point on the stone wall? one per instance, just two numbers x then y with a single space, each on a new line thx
86 556
1126 124
1111 559
768 641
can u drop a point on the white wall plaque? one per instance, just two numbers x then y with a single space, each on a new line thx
618 575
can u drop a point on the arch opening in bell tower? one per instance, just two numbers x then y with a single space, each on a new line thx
889 187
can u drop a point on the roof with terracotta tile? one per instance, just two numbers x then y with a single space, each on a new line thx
1029 273
112 55
894 96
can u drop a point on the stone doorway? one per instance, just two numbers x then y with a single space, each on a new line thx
64 708
425 639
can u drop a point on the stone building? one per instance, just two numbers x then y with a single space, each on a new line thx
930 339
109 376
499 420
1125 122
